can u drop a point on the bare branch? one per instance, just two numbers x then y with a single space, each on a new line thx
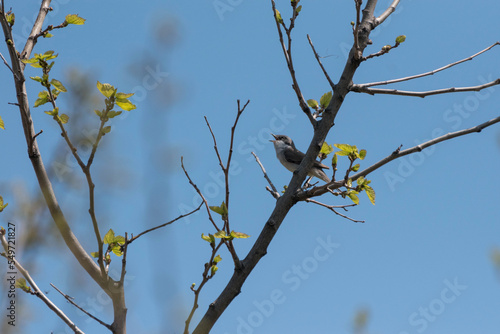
165 224
200 194
428 73
287 51
274 192
332 85
70 300
206 276
36 291
37 27
230 155
215 145
391 9
373 91
7 64
333 207
418 148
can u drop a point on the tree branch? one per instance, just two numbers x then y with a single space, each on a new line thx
200 194
333 207
398 153
391 9
288 57
332 85
379 83
70 300
373 91
36 291
165 224
274 192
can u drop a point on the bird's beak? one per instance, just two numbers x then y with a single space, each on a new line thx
274 138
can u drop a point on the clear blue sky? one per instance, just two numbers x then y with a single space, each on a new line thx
421 262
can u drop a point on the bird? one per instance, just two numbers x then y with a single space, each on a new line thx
291 157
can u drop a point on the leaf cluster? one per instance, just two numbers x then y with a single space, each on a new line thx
324 101
115 245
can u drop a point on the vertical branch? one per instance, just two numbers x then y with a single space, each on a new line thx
287 51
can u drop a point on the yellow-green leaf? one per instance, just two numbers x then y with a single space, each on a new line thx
43 97
371 193
210 238
74 19
95 254
362 154
11 18
112 113
221 210
278 16
106 129
239 235
334 160
313 103
21 284
2 124
214 269
117 250
400 39
325 99
106 89
125 104
326 149
109 237
58 85
53 112
123 95
220 234
217 259
38 79
64 118
2 206
353 197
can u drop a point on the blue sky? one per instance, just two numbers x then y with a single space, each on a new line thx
421 262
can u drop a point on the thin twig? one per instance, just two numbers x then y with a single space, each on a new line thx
7 64
333 207
332 85
36 291
165 224
287 51
215 145
373 91
200 194
206 277
379 83
274 191
70 300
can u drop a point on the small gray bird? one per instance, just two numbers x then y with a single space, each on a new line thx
290 157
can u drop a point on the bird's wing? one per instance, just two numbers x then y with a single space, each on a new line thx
294 156
297 157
